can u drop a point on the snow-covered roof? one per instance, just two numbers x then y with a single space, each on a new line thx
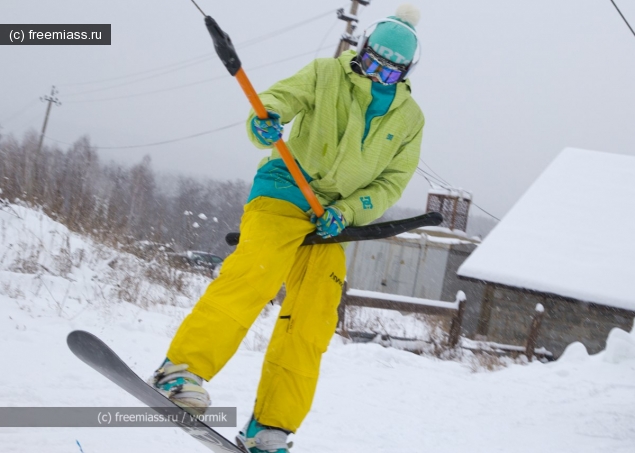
571 234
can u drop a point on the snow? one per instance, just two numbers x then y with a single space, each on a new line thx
409 236
390 323
620 347
494 346
370 398
449 241
444 230
570 234
422 234
399 298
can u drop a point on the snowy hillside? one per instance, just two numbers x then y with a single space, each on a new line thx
370 398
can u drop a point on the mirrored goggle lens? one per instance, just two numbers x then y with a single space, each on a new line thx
388 75
373 67
369 65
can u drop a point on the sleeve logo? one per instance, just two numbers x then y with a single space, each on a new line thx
366 202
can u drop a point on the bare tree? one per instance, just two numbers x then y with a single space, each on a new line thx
119 204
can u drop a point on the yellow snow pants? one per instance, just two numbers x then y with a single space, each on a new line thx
269 253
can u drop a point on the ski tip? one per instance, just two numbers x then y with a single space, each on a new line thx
76 338
75 335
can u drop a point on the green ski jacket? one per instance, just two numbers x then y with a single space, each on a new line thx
328 100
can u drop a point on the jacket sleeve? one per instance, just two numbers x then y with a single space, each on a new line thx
369 203
287 98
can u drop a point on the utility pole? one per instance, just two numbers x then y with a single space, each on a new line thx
51 100
351 20
31 172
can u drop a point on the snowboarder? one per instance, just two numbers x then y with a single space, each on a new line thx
356 137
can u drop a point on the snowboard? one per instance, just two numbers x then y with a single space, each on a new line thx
95 353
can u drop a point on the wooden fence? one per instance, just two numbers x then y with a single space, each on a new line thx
371 299
454 310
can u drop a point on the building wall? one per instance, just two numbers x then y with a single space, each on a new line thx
506 315
425 269
397 266
473 289
428 270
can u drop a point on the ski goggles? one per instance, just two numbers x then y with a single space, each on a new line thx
386 71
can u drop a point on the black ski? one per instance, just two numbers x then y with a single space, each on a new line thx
100 357
367 232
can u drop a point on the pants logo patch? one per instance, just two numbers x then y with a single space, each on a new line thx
336 279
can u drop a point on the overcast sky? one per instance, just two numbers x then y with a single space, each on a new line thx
504 85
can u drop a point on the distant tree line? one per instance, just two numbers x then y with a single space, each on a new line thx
117 203
123 204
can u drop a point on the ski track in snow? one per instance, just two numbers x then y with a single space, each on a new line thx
369 398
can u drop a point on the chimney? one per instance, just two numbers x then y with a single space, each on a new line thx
454 206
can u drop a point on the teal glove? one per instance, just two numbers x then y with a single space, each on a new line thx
331 223
267 131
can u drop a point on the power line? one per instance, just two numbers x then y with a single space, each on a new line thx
245 44
26 107
283 30
437 179
29 122
164 142
492 216
434 172
431 179
145 93
428 176
181 86
625 21
183 62
196 60
420 171
325 37
199 82
139 80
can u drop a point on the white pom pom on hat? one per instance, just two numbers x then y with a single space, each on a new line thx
408 13
395 41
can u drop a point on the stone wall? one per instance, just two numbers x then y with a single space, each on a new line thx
473 289
506 315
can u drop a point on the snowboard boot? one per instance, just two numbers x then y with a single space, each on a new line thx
181 387
257 438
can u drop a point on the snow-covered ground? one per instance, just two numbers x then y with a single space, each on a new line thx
370 398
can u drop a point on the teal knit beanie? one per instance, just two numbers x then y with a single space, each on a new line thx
394 41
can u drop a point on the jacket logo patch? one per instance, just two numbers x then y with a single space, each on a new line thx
367 203
389 137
